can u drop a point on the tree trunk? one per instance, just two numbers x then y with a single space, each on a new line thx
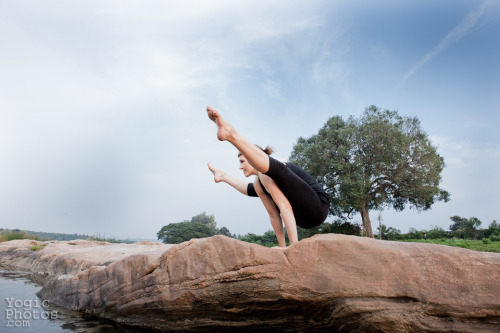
367 225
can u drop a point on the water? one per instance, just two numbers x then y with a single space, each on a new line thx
22 311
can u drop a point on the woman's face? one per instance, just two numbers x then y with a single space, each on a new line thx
247 169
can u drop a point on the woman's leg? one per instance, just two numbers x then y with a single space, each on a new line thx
256 157
283 204
274 214
307 207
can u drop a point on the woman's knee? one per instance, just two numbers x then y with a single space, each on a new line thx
266 180
258 188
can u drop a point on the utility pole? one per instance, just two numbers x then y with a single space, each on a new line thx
379 226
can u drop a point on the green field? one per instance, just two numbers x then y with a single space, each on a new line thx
484 245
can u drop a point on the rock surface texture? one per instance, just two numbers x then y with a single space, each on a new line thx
324 283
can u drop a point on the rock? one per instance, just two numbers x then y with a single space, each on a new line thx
327 282
59 258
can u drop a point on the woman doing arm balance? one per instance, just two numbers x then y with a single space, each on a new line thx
290 195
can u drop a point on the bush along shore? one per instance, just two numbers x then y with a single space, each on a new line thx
12 234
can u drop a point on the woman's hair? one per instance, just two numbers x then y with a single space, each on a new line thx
268 150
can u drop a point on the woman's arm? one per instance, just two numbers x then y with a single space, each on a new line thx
285 209
274 213
222 176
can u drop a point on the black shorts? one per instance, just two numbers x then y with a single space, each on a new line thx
307 197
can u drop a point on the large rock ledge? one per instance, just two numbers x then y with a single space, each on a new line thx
327 282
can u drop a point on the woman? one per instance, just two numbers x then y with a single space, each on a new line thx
289 194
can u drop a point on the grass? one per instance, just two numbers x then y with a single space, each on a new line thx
102 240
484 245
37 247
9 235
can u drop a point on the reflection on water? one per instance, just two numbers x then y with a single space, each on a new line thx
22 311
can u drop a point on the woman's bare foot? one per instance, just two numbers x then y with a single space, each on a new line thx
218 174
225 130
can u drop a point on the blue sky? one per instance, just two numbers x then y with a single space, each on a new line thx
102 118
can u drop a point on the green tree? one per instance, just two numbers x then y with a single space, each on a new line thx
465 228
413 234
437 232
493 229
268 239
381 159
176 233
224 231
458 223
208 220
339 226
388 232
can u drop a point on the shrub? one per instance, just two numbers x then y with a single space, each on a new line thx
37 247
436 232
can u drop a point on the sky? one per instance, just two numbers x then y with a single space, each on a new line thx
103 128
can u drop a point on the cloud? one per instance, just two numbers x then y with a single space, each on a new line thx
452 37
465 161
102 107
102 118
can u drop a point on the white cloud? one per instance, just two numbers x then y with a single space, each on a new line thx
102 106
98 97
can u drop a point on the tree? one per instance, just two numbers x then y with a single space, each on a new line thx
339 226
268 239
224 231
208 220
466 228
458 223
381 159
493 229
388 232
437 232
200 226
176 233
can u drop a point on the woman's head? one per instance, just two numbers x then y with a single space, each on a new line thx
246 167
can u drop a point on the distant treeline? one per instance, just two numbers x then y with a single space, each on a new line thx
11 234
203 225
461 228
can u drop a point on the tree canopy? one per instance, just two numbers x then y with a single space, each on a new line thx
339 226
176 233
463 227
377 160
208 220
200 226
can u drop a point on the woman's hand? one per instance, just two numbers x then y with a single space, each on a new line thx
218 174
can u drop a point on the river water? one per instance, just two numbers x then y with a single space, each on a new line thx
22 311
